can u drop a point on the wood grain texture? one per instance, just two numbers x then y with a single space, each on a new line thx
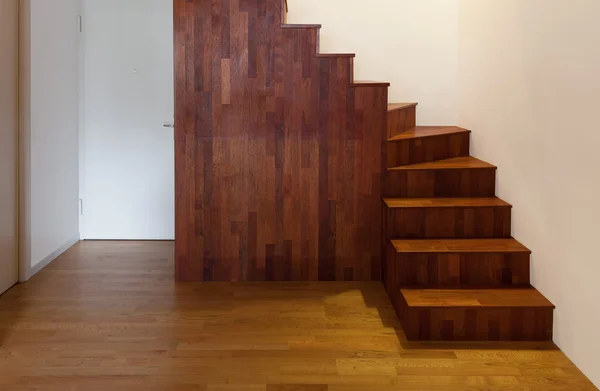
446 183
480 202
496 298
444 229
497 266
474 315
483 324
109 316
427 144
509 314
279 152
448 222
458 163
423 132
481 246
401 118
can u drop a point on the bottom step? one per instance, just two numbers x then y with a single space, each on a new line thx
474 314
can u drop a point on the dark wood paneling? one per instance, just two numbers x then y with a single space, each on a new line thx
421 150
473 315
401 117
470 182
449 222
453 270
279 157
479 324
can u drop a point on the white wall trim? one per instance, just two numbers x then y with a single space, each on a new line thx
48 260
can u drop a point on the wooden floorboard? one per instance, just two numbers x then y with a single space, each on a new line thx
108 316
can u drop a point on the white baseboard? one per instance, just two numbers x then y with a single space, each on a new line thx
48 260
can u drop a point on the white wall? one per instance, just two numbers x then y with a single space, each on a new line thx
52 95
411 43
530 90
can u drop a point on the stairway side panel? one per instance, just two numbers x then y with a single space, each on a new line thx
277 166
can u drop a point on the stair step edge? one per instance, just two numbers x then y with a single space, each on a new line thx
471 202
370 83
459 246
422 132
301 26
335 55
400 106
460 163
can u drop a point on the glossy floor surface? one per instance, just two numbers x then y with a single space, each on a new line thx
107 316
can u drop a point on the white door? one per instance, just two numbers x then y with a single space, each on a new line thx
127 154
9 75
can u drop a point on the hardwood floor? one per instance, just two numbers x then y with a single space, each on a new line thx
108 316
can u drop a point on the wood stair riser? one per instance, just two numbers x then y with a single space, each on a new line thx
308 36
469 182
477 324
341 67
399 121
449 222
427 149
443 270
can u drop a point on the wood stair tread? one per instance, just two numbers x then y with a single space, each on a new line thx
335 55
301 26
370 83
445 202
400 106
428 131
461 298
508 245
465 162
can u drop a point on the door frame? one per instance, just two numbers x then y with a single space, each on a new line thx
16 36
24 144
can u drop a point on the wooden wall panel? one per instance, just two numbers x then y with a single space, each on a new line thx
278 156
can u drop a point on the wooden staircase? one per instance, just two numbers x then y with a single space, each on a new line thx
283 159
451 267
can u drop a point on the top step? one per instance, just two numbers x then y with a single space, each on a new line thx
301 26
428 131
401 117
400 106
370 83
336 55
